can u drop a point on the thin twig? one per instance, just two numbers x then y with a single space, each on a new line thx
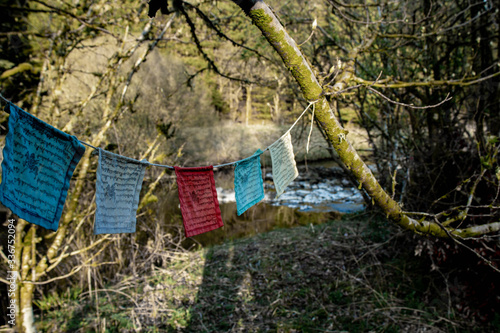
447 98
488 262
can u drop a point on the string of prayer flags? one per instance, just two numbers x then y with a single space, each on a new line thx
248 184
118 185
283 160
198 200
38 163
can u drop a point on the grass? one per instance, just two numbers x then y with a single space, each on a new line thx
355 275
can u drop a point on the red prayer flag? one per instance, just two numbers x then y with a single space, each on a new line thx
198 197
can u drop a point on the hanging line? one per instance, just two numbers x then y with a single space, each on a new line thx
231 163
296 121
310 131
7 101
161 165
215 166
245 159
267 148
130 158
88 144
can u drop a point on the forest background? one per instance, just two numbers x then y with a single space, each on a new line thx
415 83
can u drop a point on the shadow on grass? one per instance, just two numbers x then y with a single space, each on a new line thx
334 277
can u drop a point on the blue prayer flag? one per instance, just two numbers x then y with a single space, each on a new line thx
119 183
248 184
38 162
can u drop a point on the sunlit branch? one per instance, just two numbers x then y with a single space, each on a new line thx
456 240
114 64
211 63
72 272
82 21
69 241
142 58
221 34
447 98
431 83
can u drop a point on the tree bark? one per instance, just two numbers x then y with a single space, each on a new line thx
26 319
263 17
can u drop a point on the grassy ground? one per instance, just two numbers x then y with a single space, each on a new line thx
350 275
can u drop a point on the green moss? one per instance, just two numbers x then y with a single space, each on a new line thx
260 18
24 67
292 59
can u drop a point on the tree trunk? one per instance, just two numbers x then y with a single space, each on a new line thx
263 17
26 318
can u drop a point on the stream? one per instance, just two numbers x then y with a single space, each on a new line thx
317 190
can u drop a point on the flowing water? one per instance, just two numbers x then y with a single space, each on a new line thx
319 194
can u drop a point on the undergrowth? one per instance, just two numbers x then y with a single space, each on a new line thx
354 275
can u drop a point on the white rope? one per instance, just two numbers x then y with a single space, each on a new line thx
296 121
310 131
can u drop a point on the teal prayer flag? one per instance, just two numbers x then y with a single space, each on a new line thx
38 162
248 184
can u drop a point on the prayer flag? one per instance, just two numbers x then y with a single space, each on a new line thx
119 182
198 198
283 160
248 184
38 162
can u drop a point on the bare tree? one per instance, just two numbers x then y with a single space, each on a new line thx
38 253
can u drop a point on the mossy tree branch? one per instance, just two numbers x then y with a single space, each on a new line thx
264 18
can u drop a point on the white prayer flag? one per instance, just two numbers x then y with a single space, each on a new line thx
284 167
